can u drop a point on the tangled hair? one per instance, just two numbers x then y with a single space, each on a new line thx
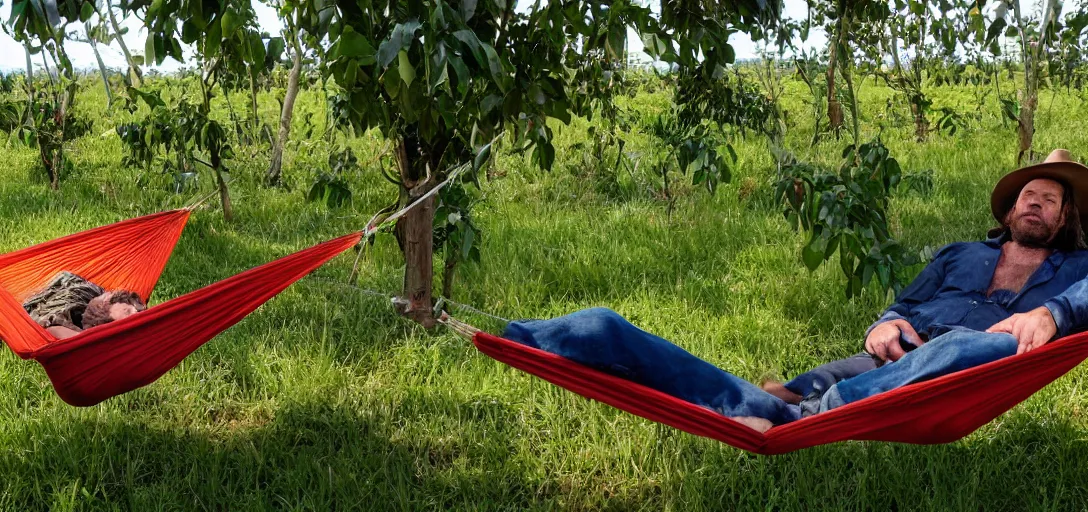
1070 235
98 311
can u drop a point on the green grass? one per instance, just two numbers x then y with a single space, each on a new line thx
323 399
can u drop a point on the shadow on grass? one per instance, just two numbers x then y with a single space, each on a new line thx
309 455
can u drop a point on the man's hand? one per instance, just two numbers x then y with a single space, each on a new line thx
1031 330
883 340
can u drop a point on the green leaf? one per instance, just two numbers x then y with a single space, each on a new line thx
190 32
51 11
481 158
545 155
160 49
175 50
463 76
467 240
354 45
149 48
489 103
86 12
401 38
256 49
405 68
17 10
495 65
439 76
231 23
276 46
812 255
469 39
214 39
468 9
995 29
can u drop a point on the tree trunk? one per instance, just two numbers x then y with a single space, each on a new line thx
64 65
238 128
1026 122
133 68
275 169
448 273
224 192
921 123
102 70
29 87
224 197
253 119
415 233
1026 127
834 108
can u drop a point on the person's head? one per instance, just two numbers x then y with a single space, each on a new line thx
1041 205
111 306
1045 215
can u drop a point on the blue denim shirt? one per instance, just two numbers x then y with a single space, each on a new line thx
951 291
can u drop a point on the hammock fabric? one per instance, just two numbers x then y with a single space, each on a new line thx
941 410
120 356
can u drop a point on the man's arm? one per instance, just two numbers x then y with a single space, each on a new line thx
1060 316
882 338
61 332
921 289
1070 308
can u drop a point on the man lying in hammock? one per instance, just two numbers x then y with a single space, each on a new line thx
976 302
69 304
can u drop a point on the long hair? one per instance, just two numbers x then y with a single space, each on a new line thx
1070 236
98 311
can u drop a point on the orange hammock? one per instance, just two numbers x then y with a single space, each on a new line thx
121 356
941 410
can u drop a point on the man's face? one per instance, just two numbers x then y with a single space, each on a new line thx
1037 215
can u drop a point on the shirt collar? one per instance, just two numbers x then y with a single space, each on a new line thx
1056 257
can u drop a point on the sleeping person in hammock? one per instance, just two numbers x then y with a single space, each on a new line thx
974 303
70 304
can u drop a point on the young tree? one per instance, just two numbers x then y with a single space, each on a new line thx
134 77
306 24
926 34
41 27
842 20
1034 39
443 79
226 40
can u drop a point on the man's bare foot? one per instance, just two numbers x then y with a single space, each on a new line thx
760 425
777 389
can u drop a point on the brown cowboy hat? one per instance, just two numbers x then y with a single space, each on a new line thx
1058 166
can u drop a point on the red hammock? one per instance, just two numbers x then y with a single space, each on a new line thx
941 410
121 356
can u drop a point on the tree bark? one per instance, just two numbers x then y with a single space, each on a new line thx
224 192
921 123
834 108
448 273
415 232
275 168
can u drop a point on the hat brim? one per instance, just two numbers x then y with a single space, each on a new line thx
1072 174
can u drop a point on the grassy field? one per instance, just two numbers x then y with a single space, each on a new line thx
325 400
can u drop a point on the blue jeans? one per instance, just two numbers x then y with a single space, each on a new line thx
817 381
951 352
603 340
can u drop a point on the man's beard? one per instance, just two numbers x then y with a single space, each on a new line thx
1030 234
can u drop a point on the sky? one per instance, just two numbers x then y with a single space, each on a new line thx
12 56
